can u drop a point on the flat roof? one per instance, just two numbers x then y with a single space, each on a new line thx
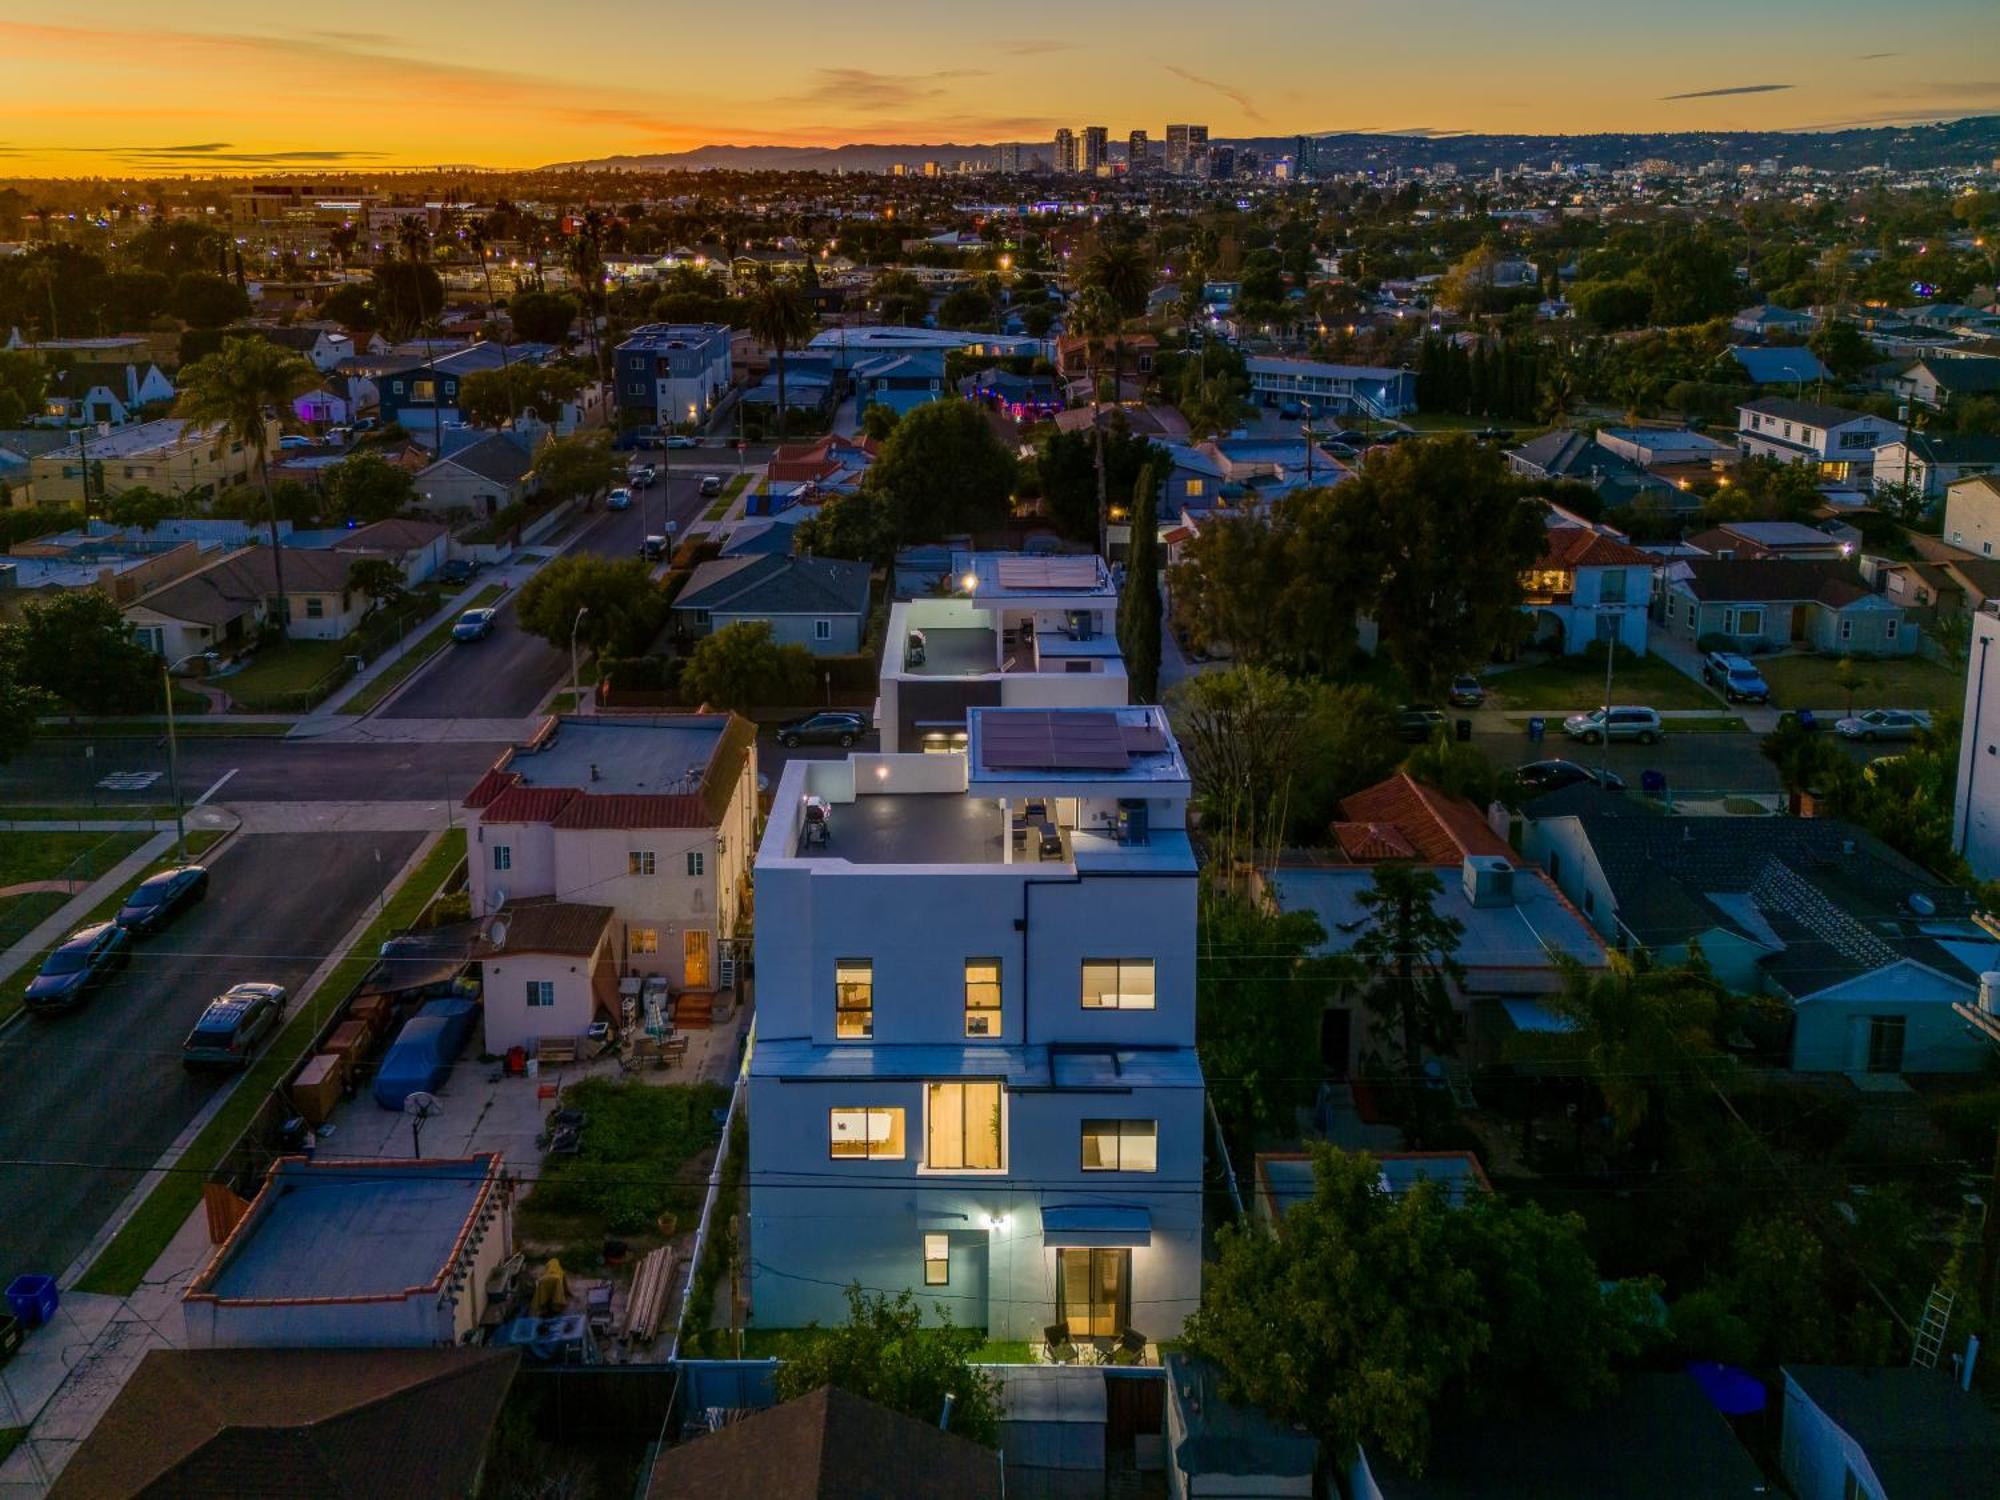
607 756
953 651
1089 747
1031 575
348 1229
911 828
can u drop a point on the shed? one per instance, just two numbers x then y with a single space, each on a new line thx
1218 1447
1052 1418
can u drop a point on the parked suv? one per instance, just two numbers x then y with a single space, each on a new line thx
1739 680
87 958
236 1021
1641 724
831 728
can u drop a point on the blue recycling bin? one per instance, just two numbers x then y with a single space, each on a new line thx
1653 783
33 1299
1537 727
1806 719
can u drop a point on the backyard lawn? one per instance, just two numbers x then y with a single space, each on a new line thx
1804 681
289 676
1570 683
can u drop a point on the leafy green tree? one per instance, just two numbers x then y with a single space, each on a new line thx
409 296
1410 951
1610 305
967 307
78 649
142 508
1470 285
782 317
852 526
942 471
898 297
878 421
1441 606
1765 489
885 1354
1352 729
1460 771
1842 348
234 388
21 707
743 667
132 300
352 305
491 397
624 607
367 487
376 579
1693 276
1223 585
1139 605
1245 732
202 299
580 467
1066 465
1094 318
24 382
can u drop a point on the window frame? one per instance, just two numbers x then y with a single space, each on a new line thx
966 1138
696 865
990 1014
642 862
937 1259
503 858
822 629
898 1133
545 988
642 942
845 971
1118 967
1121 1132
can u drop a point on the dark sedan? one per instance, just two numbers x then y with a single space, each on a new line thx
1417 722
841 729
161 898
1551 775
85 960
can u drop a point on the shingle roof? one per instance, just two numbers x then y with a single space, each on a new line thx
1957 448
1812 413
1921 1434
1750 580
1963 377
1774 363
630 810
397 534
546 926
777 585
307 1424
495 457
829 1445
529 804
1442 830
489 787
225 589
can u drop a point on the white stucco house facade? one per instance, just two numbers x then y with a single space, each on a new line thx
1587 586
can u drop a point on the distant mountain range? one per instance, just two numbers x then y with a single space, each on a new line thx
1899 147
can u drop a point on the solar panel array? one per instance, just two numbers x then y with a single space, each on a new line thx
1038 740
1047 573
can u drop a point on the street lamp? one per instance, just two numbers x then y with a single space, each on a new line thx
167 670
575 624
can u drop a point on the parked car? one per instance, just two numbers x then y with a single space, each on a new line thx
292 442
834 727
643 475
235 1023
458 571
618 499
1417 722
636 437
661 544
1467 692
1549 775
80 964
1619 723
1737 676
711 486
159 899
474 625
1884 724
1291 409
682 440
367 424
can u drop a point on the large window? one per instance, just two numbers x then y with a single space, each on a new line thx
982 997
1095 1292
645 940
937 1260
694 862
963 1128
871 1134
541 992
1121 1146
640 862
854 999
503 856
1118 984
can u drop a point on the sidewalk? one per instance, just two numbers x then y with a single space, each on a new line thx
54 928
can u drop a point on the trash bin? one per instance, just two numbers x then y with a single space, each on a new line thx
1653 783
32 1299
1806 719
1536 728
1465 731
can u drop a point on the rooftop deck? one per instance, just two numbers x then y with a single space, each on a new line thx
954 651
923 828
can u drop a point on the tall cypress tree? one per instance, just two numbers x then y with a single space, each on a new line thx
1139 606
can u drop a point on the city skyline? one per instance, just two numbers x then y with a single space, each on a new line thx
131 94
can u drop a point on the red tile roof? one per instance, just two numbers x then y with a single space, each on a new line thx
491 785
1580 547
1365 843
632 810
529 804
1442 830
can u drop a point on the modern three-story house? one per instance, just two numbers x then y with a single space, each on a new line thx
975 1074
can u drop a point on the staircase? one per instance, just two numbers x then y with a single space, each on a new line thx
1931 1328
694 1010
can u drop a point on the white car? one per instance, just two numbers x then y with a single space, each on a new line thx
681 440
1884 724
619 499
1618 723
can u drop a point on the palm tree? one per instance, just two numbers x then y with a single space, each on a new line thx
1124 274
586 265
1092 319
236 388
781 317
474 235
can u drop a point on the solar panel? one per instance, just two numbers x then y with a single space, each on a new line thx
1144 739
1047 573
1061 741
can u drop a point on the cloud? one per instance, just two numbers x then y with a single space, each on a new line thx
1037 47
1874 56
866 89
1741 88
1236 96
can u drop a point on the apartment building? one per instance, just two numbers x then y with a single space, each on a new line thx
651 815
1013 631
169 455
975 1073
1840 444
672 373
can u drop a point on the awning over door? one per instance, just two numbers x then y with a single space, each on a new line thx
1086 1226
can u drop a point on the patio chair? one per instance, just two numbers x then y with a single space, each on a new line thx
1056 1345
1131 1348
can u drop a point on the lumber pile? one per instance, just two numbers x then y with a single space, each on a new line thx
651 1286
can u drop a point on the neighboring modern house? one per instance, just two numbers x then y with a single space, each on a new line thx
1839 444
311 1424
422 392
901 382
653 816
1767 604
1898 1433
1738 540
1868 950
170 456
1674 451
1774 364
1588 586
1941 379
222 606
671 374
848 346
480 479
1013 630
1005 1117
313 1262
418 548
1931 464
820 603
1972 514
1332 390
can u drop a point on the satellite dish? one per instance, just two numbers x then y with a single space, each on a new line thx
496 932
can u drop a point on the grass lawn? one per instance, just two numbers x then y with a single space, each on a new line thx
156 729
289 676
1802 681
57 855
783 1343
400 670
730 491
84 812
20 915
1571 683
142 1238
644 1154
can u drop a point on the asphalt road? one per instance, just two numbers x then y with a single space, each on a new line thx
507 675
266 770
1694 764
102 1087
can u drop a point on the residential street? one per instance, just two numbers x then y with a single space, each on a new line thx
103 1087
264 770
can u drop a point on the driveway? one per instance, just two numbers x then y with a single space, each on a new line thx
89 1099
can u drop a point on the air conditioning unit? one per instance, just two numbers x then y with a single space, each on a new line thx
1489 880
1989 993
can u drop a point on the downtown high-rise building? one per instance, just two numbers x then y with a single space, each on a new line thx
1066 151
1096 149
1138 152
1012 158
1305 157
1185 144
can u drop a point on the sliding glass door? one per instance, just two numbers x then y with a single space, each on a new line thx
1094 1288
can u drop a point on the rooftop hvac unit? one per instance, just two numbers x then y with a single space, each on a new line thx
1989 993
1489 880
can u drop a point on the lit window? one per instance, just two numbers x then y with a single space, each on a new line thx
639 862
937 1260
503 856
871 1134
694 862
982 997
1121 1146
962 1132
541 993
1118 984
645 940
854 999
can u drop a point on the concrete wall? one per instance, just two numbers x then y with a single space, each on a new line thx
1817 1456
510 1021
1972 518
1976 802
